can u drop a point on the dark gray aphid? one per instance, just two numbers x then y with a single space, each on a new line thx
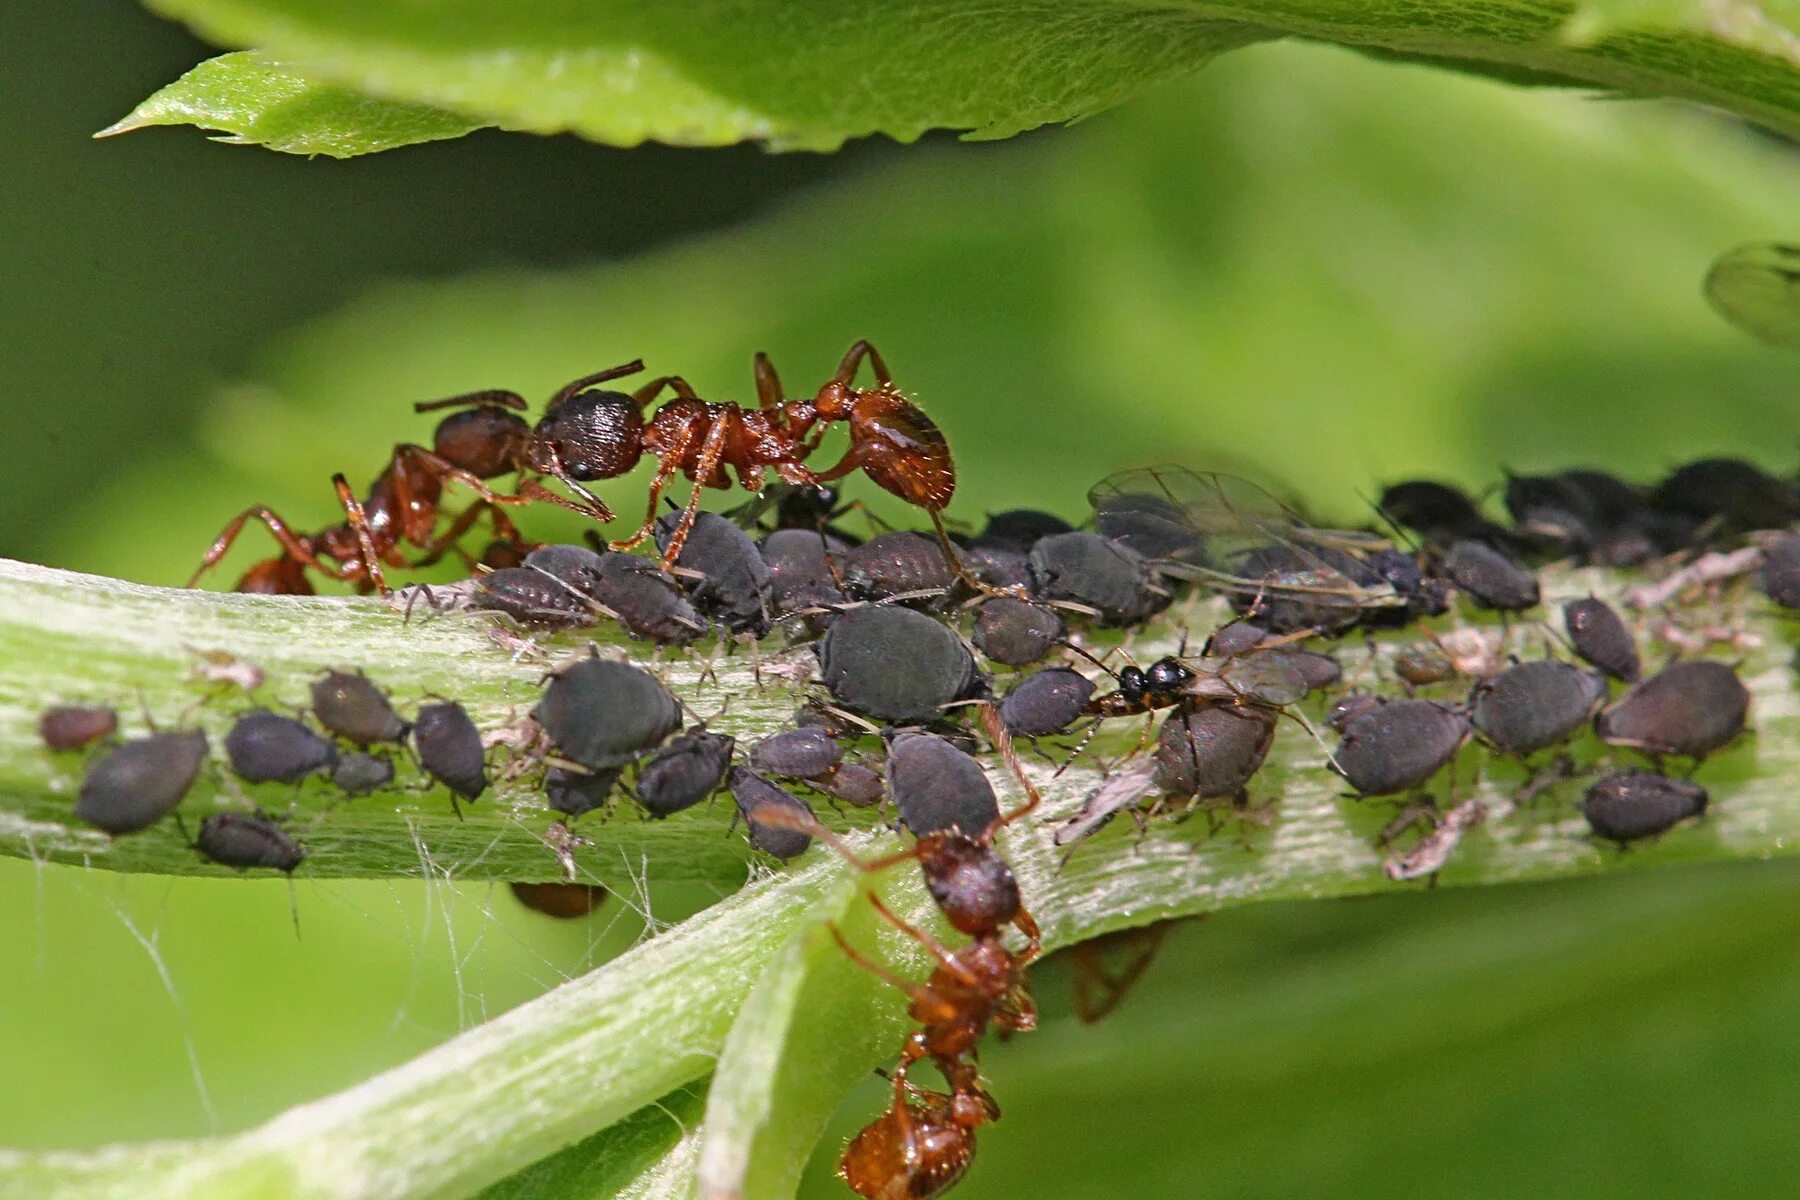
1532 706
72 726
1740 495
1086 568
266 747
1600 637
575 792
647 600
1490 579
1046 702
533 599
894 664
358 774
1629 805
894 564
1397 746
576 567
1286 590
685 772
800 563
604 714
808 753
248 840
1211 750
449 748
1234 638
139 782
1350 706
1438 511
1688 709
1152 526
1021 527
1316 669
1552 514
772 814
1781 570
736 587
854 783
937 787
349 704
1015 632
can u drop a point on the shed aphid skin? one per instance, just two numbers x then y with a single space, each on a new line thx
1598 634
1427 856
266 747
226 670
1687 710
450 750
139 782
348 704
359 773
248 841
67 727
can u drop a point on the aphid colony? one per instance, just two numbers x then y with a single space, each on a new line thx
928 646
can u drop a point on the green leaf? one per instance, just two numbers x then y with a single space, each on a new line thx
656 1144
810 73
1757 288
260 102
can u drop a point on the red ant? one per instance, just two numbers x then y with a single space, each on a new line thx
402 506
920 1147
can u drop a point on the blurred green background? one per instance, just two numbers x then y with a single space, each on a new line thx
1331 271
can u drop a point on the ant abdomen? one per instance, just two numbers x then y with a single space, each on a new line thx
483 441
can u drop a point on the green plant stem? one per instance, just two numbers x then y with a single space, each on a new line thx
560 1068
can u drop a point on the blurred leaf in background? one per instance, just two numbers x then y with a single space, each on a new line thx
1338 271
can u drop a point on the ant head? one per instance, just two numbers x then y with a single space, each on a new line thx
972 1108
1133 681
834 401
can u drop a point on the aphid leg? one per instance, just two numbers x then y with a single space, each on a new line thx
365 540
295 547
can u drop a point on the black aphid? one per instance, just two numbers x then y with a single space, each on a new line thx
1150 525
1781 570
266 747
801 562
1437 511
357 773
1599 635
1021 527
139 782
894 664
349 704
809 753
735 586
1490 579
72 726
1552 514
449 748
564 901
647 600
1086 568
1211 750
1234 638
533 599
897 563
577 568
575 792
248 840
604 714
1531 706
1688 709
1397 746
998 564
937 787
685 772
1739 495
853 783
1046 702
1015 632
1316 669
1629 805
763 807
1350 706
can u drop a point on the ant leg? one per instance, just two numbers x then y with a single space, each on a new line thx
853 358
674 383
711 451
768 384
365 539
594 507
665 471
440 545
916 991
1001 738
294 545
487 398
932 946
